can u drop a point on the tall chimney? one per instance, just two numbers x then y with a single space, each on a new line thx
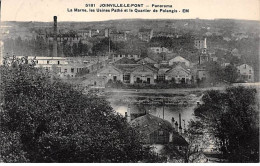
180 128
55 37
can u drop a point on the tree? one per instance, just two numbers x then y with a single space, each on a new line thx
51 121
215 72
230 74
103 46
232 117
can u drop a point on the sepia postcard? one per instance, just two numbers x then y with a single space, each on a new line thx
129 81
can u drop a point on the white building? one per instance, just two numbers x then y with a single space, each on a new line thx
246 72
62 66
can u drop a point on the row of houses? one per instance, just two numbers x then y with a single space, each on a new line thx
131 69
142 71
66 67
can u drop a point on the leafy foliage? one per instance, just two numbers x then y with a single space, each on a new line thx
45 120
233 118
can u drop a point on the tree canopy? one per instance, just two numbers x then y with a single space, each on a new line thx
232 117
46 120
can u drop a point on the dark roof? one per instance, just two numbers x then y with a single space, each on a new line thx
110 65
150 123
125 60
127 68
152 67
145 60
177 139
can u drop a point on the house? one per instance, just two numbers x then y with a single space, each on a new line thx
143 74
125 61
162 58
84 33
246 72
116 57
71 70
157 132
63 67
154 129
126 66
179 74
179 59
159 50
110 72
199 43
145 34
161 73
147 60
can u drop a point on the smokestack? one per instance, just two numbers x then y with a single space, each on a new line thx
180 128
55 37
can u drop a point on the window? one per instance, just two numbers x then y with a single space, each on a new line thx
65 70
126 78
114 78
250 72
72 70
138 80
58 62
161 132
161 77
48 62
249 77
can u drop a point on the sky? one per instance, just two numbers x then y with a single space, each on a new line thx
44 10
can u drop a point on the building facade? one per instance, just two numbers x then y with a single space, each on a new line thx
246 73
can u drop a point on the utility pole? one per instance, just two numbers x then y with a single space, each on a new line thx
163 108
